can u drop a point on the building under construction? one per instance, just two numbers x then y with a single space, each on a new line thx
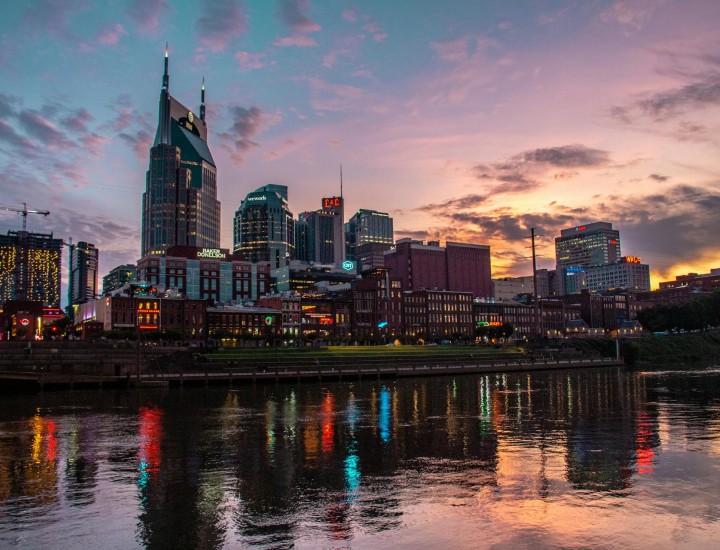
30 267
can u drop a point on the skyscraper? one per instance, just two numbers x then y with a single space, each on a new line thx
368 227
264 229
117 277
30 267
180 205
581 247
323 233
83 273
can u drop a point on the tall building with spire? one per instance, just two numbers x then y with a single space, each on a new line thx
180 205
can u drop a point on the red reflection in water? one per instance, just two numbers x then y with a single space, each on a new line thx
328 426
51 451
645 455
150 438
336 516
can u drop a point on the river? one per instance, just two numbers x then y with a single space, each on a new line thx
587 458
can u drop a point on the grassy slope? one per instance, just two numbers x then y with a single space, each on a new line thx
676 347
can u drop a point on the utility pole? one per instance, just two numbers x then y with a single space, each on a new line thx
536 306
71 279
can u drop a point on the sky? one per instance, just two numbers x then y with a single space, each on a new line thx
466 120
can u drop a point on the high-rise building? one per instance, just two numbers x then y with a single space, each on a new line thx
368 227
458 267
83 281
324 236
30 267
118 277
628 273
581 247
264 228
180 205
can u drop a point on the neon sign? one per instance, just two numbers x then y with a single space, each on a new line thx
332 202
631 260
268 320
326 320
348 265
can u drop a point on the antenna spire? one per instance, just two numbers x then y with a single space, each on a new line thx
166 76
341 182
202 100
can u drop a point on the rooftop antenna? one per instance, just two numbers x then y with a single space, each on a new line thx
341 182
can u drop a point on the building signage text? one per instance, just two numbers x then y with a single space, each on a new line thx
332 202
211 253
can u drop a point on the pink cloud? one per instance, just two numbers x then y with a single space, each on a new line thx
300 41
349 15
147 13
110 36
249 61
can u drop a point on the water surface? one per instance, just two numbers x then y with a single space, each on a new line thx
596 458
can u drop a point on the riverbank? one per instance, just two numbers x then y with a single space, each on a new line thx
99 365
675 348
686 347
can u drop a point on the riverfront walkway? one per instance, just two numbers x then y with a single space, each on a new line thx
229 375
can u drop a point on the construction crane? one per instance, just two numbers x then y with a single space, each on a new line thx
25 213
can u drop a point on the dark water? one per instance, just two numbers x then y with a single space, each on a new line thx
567 459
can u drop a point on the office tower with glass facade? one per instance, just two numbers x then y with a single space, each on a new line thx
322 235
118 277
30 267
578 248
368 227
180 205
83 280
264 228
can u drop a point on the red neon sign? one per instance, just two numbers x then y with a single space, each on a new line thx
326 320
332 202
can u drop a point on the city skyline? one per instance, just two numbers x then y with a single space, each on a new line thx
469 124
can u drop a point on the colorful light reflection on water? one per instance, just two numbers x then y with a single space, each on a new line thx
604 458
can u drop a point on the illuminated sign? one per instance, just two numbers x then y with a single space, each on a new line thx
24 322
613 241
332 202
382 324
326 320
348 265
268 320
581 228
261 198
631 259
211 253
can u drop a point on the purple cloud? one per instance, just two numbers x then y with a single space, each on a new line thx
222 20
293 14
247 123
147 13
525 171
43 130
78 120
